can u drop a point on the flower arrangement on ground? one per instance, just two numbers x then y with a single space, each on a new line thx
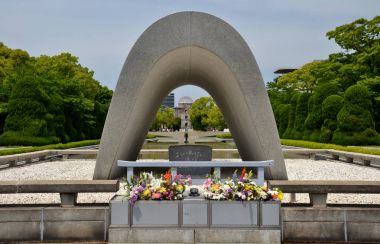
241 188
148 187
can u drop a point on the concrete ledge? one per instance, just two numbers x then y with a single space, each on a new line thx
368 232
313 231
19 231
237 236
331 224
145 235
199 235
53 223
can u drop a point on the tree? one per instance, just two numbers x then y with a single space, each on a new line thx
165 119
74 104
324 83
205 114
215 118
358 35
199 112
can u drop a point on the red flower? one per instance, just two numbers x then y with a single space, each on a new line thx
243 173
168 176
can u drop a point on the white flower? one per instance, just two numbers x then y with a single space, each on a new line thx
156 182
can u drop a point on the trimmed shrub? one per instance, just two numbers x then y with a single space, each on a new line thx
325 135
355 122
300 116
283 112
314 119
367 137
331 107
13 138
290 128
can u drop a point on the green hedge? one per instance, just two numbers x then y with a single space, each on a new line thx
316 145
224 136
47 147
56 146
14 138
150 136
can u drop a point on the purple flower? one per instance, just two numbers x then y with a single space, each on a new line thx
133 199
234 177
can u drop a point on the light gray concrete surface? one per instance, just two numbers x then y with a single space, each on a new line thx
190 48
49 223
331 224
145 235
237 236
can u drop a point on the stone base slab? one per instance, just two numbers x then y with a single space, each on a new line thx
118 234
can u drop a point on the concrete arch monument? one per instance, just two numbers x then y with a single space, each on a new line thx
190 48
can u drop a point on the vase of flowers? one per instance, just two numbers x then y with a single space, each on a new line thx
152 199
241 198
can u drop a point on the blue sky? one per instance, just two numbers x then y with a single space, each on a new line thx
281 33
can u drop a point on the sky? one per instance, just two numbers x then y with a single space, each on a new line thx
280 33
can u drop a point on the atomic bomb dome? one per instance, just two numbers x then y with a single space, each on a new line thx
185 100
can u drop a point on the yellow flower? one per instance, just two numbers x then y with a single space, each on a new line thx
214 188
248 188
280 196
146 193
163 189
180 188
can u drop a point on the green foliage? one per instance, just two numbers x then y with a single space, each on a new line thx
301 79
165 119
47 147
150 136
300 116
330 109
282 118
325 82
224 136
205 114
14 138
316 145
367 137
355 123
355 114
291 118
314 119
49 97
331 106
358 35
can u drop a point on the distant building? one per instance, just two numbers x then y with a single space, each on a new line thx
183 110
282 71
169 101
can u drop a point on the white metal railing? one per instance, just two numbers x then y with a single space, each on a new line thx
217 165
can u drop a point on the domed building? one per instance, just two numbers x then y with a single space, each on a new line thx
183 110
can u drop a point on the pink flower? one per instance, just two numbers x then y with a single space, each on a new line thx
156 195
207 183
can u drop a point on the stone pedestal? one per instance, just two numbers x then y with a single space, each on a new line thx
191 153
194 220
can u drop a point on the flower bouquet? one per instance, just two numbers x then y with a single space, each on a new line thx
241 188
149 187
